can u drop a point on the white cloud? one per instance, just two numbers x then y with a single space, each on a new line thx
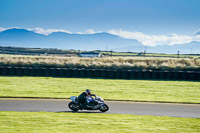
148 40
2 29
153 40
197 32
196 38
89 31
48 31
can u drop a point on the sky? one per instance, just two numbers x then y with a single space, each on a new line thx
153 22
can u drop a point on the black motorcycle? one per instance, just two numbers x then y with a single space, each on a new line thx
96 103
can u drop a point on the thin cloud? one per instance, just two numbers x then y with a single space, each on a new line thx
89 31
2 29
197 32
153 40
48 31
148 40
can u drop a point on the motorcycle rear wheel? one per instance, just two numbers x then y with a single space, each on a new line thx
73 106
104 108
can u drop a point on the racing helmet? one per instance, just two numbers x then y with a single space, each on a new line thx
88 92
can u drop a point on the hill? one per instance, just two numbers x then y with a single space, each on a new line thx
60 40
98 41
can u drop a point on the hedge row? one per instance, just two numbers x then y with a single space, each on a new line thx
93 73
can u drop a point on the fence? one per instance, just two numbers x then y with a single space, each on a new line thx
94 73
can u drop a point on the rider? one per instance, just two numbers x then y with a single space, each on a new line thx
82 97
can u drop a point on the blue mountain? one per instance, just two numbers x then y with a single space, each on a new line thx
61 40
91 41
21 38
197 33
188 48
99 41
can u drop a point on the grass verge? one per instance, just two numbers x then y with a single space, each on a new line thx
122 63
42 122
134 90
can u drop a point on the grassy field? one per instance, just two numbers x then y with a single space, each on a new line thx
103 63
135 90
150 54
46 122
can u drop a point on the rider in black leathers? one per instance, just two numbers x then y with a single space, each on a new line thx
82 98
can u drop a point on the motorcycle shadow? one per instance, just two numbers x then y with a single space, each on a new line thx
79 112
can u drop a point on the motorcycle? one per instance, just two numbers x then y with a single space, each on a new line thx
96 103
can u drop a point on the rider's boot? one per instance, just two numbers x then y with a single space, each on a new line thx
81 106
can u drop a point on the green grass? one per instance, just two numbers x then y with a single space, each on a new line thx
46 122
135 90
150 54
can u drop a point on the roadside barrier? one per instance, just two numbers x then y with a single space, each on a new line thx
83 73
139 75
97 73
162 74
75 73
118 74
68 73
155 75
104 74
12 71
100 73
147 75
133 74
90 73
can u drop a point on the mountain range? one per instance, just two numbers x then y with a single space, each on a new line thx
98 41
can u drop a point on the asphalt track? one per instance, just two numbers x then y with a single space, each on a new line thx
116 107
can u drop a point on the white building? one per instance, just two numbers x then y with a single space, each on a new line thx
88 54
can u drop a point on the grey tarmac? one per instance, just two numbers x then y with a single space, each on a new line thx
116 107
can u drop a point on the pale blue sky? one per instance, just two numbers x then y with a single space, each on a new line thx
152 17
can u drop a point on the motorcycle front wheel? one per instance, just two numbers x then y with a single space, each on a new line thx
73 106
104 108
